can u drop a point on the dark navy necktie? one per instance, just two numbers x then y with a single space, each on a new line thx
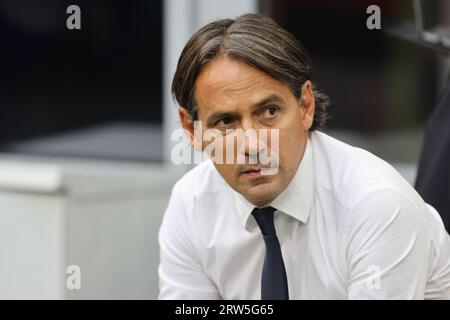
274 284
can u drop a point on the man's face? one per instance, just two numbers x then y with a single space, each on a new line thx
232 95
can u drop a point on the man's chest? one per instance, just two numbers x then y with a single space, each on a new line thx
234 259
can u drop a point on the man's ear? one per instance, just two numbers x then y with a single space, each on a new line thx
308 104
189 128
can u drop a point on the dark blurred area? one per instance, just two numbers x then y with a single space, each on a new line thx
55 80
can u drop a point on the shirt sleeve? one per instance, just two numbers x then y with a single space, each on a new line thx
181 274
388 249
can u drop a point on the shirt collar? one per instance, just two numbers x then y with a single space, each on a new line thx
296 200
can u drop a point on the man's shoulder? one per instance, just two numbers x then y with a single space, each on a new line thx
350 173
365 188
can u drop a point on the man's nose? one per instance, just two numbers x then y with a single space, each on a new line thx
250 144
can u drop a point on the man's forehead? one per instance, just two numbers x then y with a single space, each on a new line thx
233 84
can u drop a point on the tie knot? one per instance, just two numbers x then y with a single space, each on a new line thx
264 219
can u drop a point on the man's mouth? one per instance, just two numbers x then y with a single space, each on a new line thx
254 172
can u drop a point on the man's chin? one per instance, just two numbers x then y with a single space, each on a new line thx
260 194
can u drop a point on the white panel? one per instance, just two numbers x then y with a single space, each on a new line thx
178 26
30 177
115 243
32 246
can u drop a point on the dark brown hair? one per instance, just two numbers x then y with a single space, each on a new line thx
255 40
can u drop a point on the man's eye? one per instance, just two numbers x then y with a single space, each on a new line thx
224 121
270 112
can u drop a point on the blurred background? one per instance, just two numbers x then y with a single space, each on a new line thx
86 117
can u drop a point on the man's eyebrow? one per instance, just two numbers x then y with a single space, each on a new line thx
220 115
232 114
269 99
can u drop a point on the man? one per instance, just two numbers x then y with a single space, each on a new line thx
330 222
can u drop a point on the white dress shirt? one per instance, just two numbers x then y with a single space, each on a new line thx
349 226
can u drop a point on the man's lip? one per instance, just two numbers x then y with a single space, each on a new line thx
253 170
